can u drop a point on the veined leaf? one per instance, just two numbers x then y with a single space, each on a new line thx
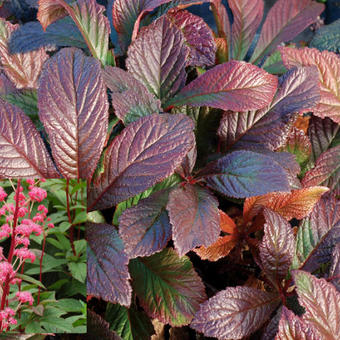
148 150
222 20
244 174
167 287
234 313
277 246
328 65
334 271
22 151
22 69
194 217
26 100
285 20
158 58
50 11
145 228
74 110
98 328
130 98
234 85
107 265
321 302
327 37
247 18
274 64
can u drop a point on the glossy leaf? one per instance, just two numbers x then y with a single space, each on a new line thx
194 217
285 20
297 204
334 271
244 174
145 228
234 85
130 98
328 65
247 18
321 302
234 313
167 287
107 265
74 110
277 246
130 160
327 37
158 57
22 69
22 150
198 36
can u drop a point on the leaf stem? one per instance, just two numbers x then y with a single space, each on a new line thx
69 217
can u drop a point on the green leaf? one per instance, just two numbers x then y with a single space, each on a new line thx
328 37
78 271
80 218
69 305
30 280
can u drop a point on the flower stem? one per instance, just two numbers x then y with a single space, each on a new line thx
69 217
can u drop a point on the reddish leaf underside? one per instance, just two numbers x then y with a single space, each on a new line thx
50 11
334 271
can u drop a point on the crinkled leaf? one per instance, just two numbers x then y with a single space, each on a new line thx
31 36
272 327
107 265
244 174
292 327
326 170
188 163
277 246
234 85
297 204
321 302
167 287
247 17
298 91
234 313
158 58
22 150
98 328
130 98
327 37
129 323
145 228
26 100
50 11
334 271
328 64
74 110
285 20
146 152
194 217
198 36
274 64
22 69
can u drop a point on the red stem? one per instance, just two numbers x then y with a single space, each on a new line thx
41 259
69 218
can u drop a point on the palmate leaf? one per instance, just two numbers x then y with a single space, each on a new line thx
245 173
194 217
130 98
328 65
247 17
285 20
98 328
145 228
146 152
321 302
167 287
22 69
74 110
234 313
158 58
22 150
327 37
234 85
107 265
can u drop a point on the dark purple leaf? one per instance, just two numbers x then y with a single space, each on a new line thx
188 163
146 152
334 271
130 98
107 265
247 17
145 228
98 328
321 302
285 20
158 58
244 174
198 36
277 246
167 287
234 313
74 110
234 85
194 217
22 151
272 326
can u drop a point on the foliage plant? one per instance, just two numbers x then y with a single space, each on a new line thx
200 148
37 261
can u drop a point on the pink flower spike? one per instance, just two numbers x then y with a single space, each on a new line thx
42 208
38 218
5 269
3 194
9 311
22 212
30 181
50 225
24 254
37 194
42 180
25 297
12 321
